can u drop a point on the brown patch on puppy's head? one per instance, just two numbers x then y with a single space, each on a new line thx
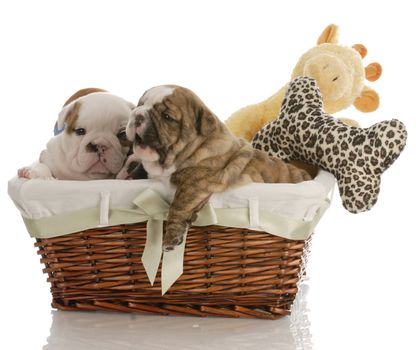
81 93
71 117
67 118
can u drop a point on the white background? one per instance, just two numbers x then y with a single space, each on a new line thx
231 53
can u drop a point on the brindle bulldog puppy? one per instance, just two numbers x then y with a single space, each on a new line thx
180 140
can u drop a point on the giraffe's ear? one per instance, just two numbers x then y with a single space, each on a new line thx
362 50
368 101
373 71
329 35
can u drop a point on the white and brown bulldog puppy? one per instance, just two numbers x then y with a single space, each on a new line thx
179 139
90 141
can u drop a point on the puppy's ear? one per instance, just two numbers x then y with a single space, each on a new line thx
205 121
67 118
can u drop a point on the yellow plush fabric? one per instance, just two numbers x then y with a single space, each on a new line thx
247 121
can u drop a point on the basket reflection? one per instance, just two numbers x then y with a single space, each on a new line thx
110 331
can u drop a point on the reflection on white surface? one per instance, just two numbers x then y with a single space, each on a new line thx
108 331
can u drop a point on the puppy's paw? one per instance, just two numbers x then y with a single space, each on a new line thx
35 171
170 244
123 174
132 169
173 237
27 173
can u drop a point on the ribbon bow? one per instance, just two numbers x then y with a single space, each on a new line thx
156 209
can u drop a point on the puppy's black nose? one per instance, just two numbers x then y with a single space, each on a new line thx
92 147
139 120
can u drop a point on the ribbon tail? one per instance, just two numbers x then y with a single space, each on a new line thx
152 252
172 266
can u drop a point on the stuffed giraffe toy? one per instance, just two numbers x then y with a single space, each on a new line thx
340 74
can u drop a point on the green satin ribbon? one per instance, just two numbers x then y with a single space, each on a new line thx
156 210
151 207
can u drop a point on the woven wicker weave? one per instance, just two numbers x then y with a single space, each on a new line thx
227 272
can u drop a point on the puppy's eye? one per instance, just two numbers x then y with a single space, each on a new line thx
80 131
122 135
167 117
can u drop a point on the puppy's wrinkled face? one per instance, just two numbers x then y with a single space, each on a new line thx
166 120
94 140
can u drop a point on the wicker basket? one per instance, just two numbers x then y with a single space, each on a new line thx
229 272
101 241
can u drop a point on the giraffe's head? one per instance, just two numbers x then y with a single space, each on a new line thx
340 73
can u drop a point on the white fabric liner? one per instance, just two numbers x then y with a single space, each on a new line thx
44 198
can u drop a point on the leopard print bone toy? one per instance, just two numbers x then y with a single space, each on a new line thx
355 156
